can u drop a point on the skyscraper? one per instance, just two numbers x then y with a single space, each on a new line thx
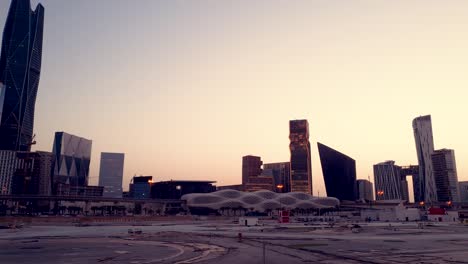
445 174
72 156
387 181
111 174
33 174
8 164
251 167
364 190
301 168
339 173
422 127
282 175
20 68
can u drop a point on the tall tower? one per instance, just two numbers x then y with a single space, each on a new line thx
111 174
422 127
301 168
20 68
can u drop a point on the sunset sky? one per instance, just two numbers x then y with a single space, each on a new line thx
186 88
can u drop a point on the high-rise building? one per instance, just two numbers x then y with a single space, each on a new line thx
387 181
422 127
72 156
463 186
281 175
413 171
364 190
339 173
33 174
111 174
20 68
251 167
301 167
445 174
8 165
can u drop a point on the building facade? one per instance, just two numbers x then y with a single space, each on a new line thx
33 173
463 187
111 174
281 172
174 189
364 190
8 164
339 173
445 174
387 181
20 68
251 167
140 187
422 128
72 156
301 166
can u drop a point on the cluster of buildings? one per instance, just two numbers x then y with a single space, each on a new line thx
435 177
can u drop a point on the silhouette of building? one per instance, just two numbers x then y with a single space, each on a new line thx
175 189
411 170
260 182
251 167
33 173
281 172
301 168
111 174
364 190
20 68
339 173
8 165
72 156
422 127
140 187
388 181
445 174
237 187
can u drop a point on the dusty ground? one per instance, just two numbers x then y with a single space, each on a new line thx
217 242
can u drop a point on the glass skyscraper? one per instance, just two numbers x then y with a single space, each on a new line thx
422 127
339 173
111 174
20 68
301 168
72 156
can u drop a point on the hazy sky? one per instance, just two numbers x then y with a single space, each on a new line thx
186 88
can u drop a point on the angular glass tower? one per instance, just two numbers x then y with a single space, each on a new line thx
422 128
301 167
339 173
20 68
111 174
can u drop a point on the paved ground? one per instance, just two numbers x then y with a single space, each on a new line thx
217 242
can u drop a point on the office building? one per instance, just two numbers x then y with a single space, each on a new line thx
387 181
72 156
281 172
339 173
251 167
20 69
422 127
364 190
79 191
445 174
8 165
413 171
463 187
140 187
174 189
33 173
261 182
301 168
237 187
111 174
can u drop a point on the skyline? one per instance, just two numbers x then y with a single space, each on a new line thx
216 125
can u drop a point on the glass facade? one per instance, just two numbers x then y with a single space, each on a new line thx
20 68
111 174
301 168
72 156
339 173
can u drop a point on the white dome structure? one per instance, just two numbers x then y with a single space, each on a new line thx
259 201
